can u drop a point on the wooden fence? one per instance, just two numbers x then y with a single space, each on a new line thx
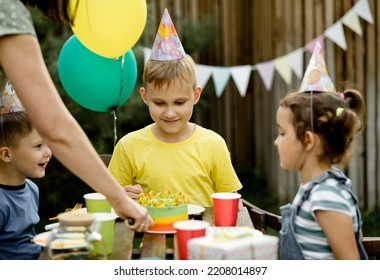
254 31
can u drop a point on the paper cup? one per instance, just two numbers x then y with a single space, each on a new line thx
96 202
226 207
105 225
186 230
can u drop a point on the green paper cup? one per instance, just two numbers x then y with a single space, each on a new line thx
96 202
105 225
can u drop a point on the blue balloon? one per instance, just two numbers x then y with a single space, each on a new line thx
95 82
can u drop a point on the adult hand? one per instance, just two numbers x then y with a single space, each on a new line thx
133 191
130 210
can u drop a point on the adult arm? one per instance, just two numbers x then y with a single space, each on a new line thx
21 59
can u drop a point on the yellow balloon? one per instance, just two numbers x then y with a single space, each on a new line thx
108 27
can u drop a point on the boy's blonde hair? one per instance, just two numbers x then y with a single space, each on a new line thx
163 73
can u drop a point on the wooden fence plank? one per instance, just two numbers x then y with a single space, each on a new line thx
252 32
371 115
376 174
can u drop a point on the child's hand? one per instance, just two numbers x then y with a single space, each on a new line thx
133 191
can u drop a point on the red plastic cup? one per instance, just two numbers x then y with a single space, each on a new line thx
186 230
226 207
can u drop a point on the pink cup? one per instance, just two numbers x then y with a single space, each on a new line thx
186 230
226 207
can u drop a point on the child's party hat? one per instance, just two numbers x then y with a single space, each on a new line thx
167 45
317 78
9 102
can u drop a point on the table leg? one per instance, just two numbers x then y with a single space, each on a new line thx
123 242
153 245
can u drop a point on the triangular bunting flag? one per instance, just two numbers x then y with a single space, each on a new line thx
241 76
284 65
351 20
203 74
336 34
266 72
311 45
363 10
220 76
295 60
283 68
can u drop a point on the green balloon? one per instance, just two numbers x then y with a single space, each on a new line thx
95 82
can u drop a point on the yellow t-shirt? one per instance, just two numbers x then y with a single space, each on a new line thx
198 166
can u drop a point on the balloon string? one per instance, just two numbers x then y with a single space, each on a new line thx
122 80
113 112
113 109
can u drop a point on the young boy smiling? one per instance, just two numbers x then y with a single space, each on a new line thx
23 154
173 154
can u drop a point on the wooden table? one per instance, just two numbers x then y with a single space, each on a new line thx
132 245
129 245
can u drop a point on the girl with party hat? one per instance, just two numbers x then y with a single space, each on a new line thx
173 154
316 129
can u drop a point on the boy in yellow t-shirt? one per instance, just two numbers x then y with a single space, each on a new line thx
173 154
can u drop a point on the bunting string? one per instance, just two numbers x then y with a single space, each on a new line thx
285 65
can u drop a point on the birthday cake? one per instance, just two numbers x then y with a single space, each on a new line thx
165 208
